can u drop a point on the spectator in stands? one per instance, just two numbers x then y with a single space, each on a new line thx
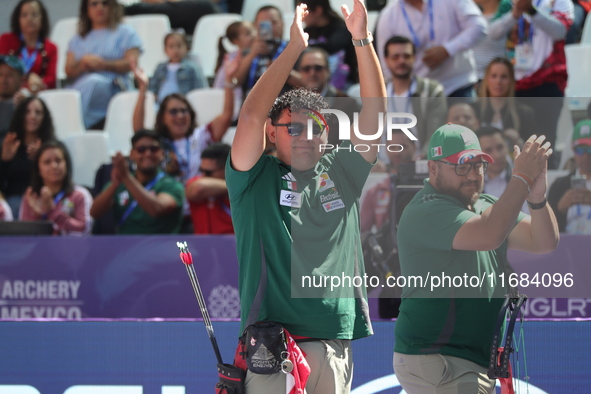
327 30
443 45
314 70
463 114
183 14
570 196
499 172
409 93
241 34
266 47
146 201
100 57
176 123
5 211
28 40
488 48
12 73
535 37
178 74
52 195
208 193
30 127
498 107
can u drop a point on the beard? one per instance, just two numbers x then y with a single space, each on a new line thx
464 196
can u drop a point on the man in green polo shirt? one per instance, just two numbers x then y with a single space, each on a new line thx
297 215
144 202
443 337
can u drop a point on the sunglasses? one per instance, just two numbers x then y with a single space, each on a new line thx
295 129
464 169
316 67
581 150
176 111
104 3
143 148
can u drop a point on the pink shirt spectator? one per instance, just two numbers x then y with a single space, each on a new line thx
71 216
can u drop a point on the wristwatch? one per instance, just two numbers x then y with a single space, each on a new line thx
232 84
539 205
366 41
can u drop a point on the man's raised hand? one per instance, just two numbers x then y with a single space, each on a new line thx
296 32
356 20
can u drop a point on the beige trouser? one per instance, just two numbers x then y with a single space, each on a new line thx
331 365
439 374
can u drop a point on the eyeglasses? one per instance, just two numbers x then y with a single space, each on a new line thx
176 111
315 67
582 149
464 169
295 129
206 172
144 148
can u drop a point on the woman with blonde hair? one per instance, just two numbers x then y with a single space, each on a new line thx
498 106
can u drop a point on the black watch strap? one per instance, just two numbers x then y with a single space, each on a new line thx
539 205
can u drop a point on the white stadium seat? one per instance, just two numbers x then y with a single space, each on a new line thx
152 29
208 103
88 151
207 33
65 106
61 34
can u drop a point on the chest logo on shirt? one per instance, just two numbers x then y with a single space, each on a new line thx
324 182
123 198
290 199
333 205
290 181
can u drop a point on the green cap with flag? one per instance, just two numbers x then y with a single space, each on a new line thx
582 133
456 144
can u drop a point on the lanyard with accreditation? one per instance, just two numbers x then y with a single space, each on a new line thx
133 204
414 35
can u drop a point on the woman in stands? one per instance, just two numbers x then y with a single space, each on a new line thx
498 106
28 40
30 127
52 195
100 57
176 123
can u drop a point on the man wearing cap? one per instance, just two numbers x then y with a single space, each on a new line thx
443 334
12 74
570 196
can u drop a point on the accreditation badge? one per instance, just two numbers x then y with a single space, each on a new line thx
524 56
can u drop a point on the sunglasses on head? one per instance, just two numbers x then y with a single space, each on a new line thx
144 148
582 149
315 67
177 111
104 3
295 129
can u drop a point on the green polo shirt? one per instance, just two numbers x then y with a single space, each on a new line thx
444 321
292 224
138 221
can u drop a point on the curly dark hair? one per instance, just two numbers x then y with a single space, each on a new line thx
161 128
17 124
297 99
15 25
37 181
85 24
